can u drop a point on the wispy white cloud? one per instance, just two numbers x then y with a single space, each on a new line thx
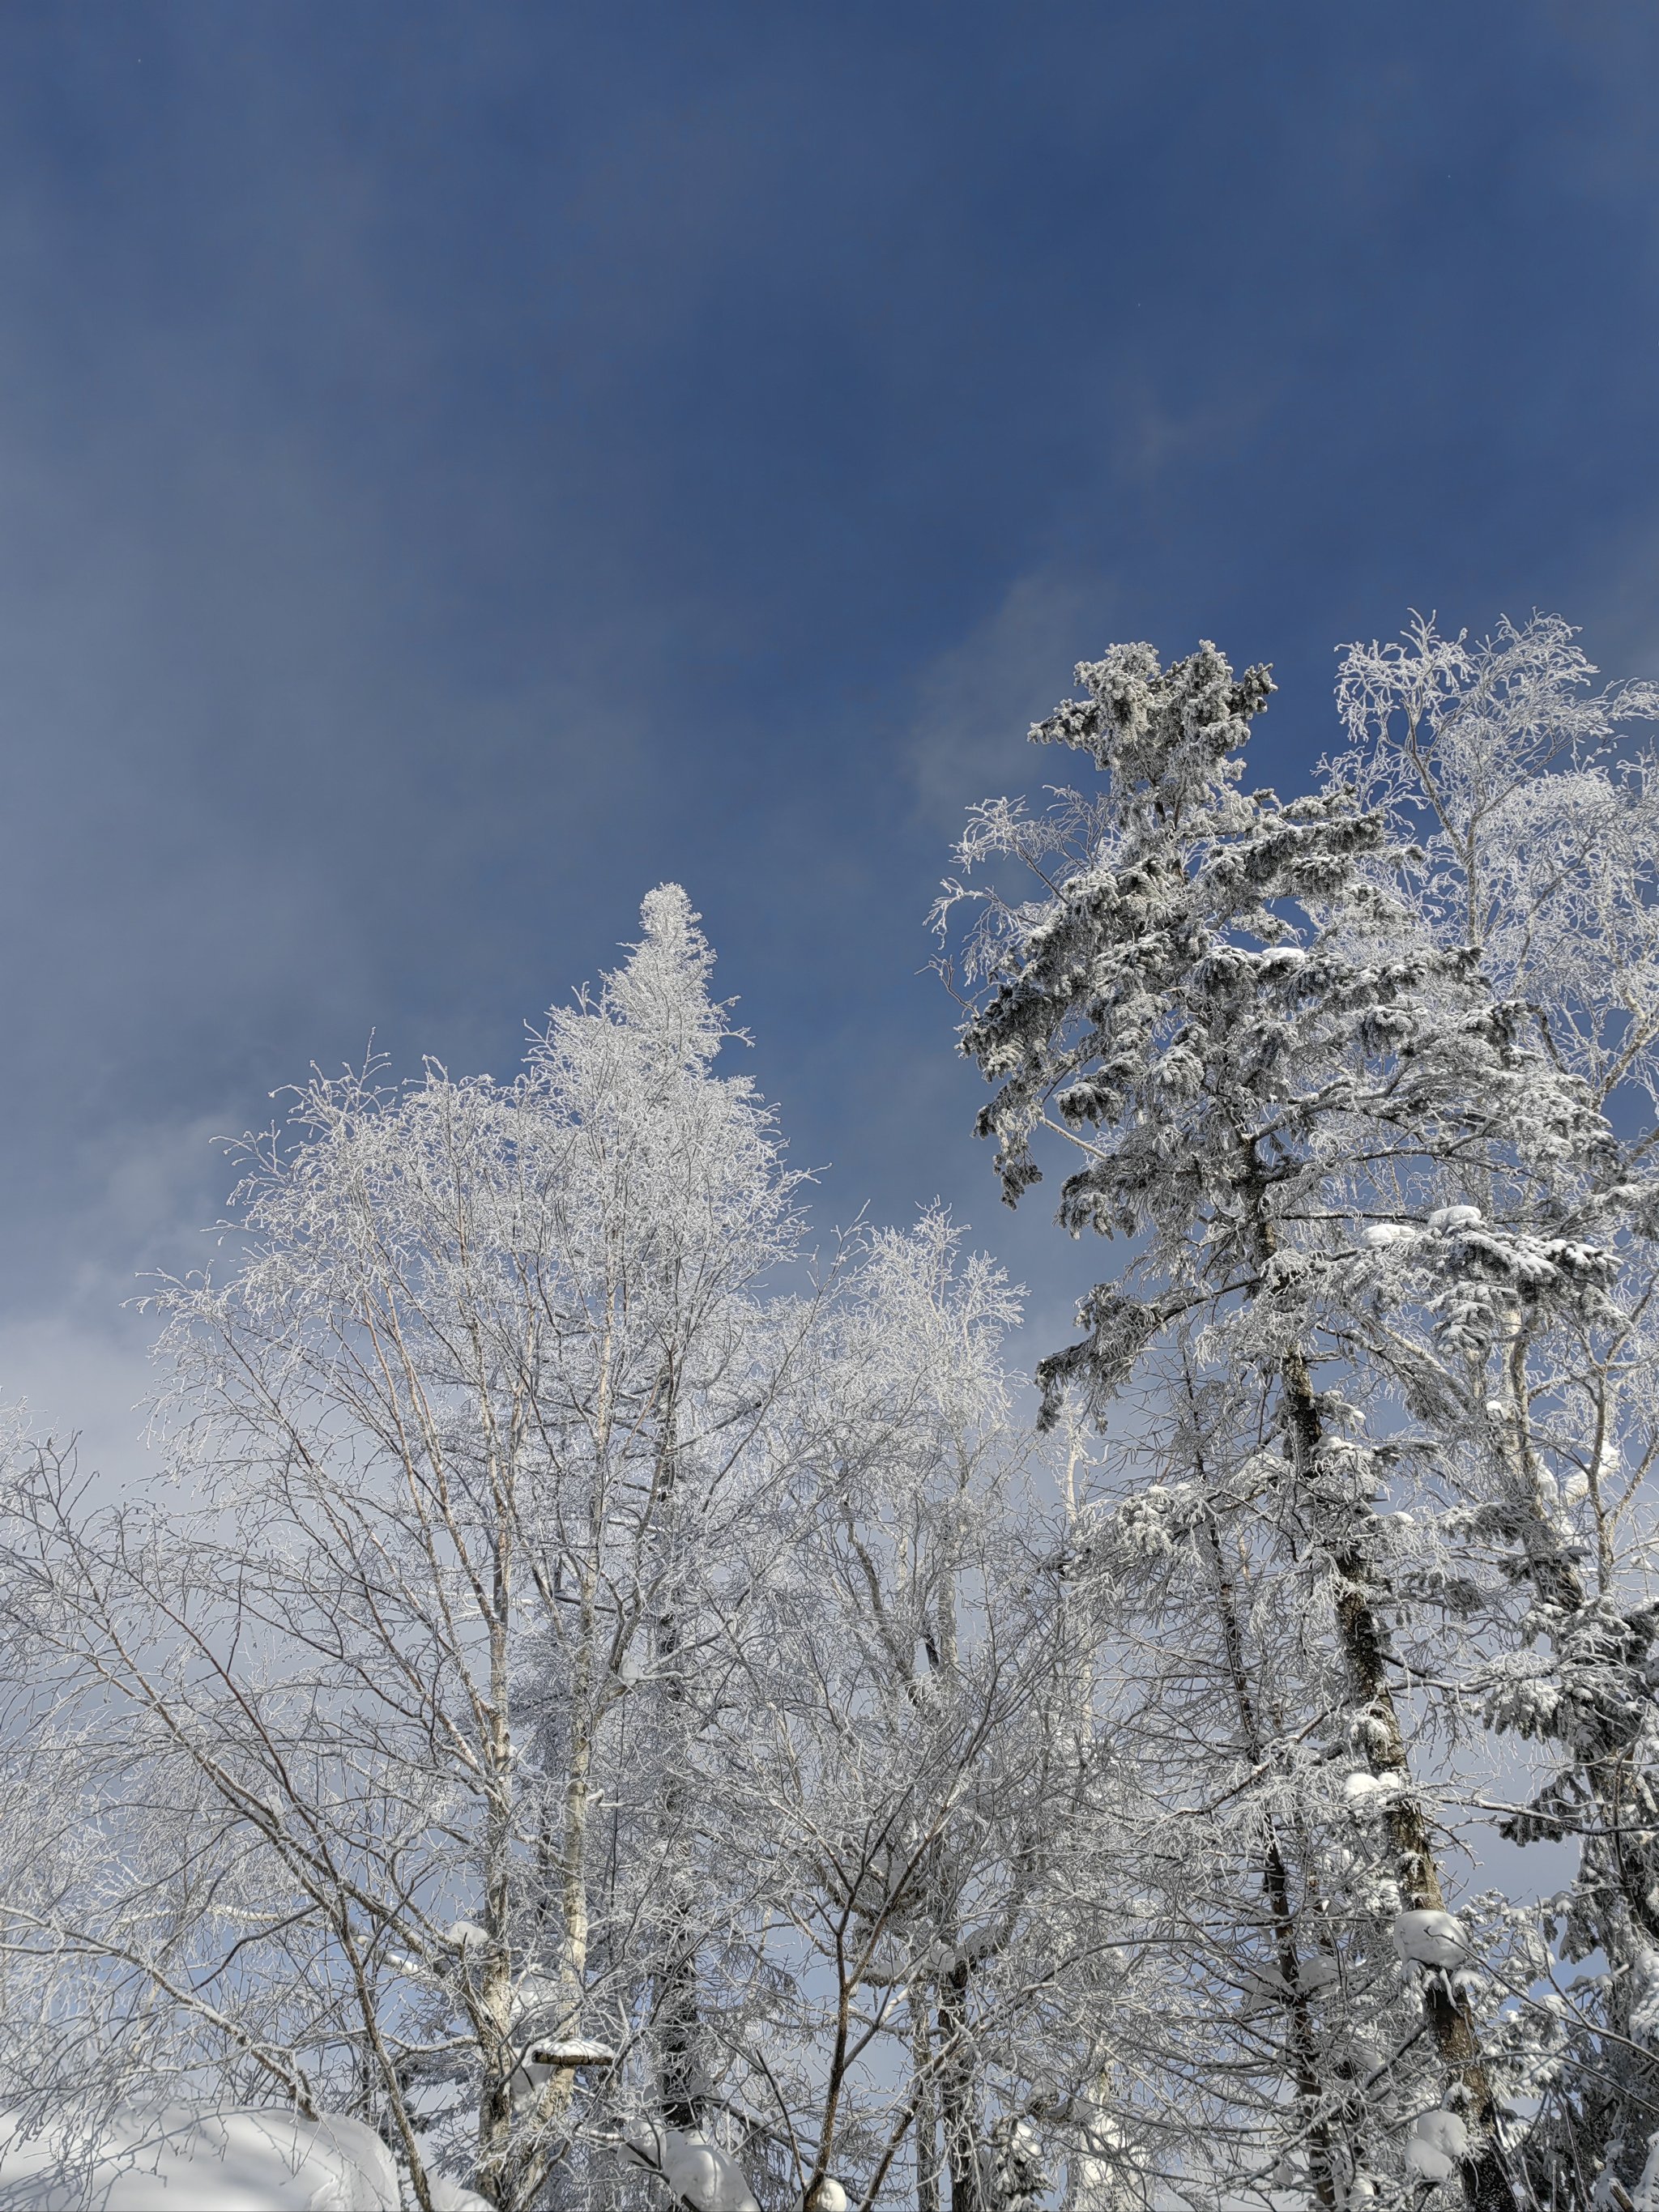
73 1341
976 700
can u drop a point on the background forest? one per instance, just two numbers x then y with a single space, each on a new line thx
610 1705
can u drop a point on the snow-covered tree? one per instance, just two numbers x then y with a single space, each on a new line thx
580 1704
1514 1313
1220 1003
1536 812
602 1712
469 1429
895 1769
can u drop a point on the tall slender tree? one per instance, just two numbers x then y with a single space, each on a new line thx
890 1761
1218 1002
1518 1330
472 1422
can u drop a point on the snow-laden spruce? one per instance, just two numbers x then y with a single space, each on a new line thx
1345 1156
1179 1012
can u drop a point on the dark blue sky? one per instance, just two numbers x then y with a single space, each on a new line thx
464 462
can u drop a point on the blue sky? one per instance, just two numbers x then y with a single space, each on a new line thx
464 464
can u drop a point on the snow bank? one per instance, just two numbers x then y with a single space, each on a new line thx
1367 1796
450 2196
181 2159
1432 1939
1437 2139
707 2177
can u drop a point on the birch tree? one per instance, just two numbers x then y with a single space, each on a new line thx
1521 1335
471 1419
911 1796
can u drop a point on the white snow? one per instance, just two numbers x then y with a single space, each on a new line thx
572 2051
1448 1218
1437 2139
537 1995
1432 1939
184 2159
450 2196
1367 1795
707 2177
827 2197
1647 2189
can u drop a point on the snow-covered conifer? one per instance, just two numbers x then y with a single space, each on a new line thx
1217 1002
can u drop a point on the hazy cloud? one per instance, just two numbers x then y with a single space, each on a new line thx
976 701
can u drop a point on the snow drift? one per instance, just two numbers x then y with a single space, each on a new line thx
182 2159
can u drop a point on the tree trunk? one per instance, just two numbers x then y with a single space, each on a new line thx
926 2123
957 2100
1487 2184
1360 1595
679 2024
1276 1888
495 1994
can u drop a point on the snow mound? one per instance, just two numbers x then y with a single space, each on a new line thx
1437 2139
707 2177
183 2159
1446 1218
1432 1939
450 2196
1367 1796
1647 2189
